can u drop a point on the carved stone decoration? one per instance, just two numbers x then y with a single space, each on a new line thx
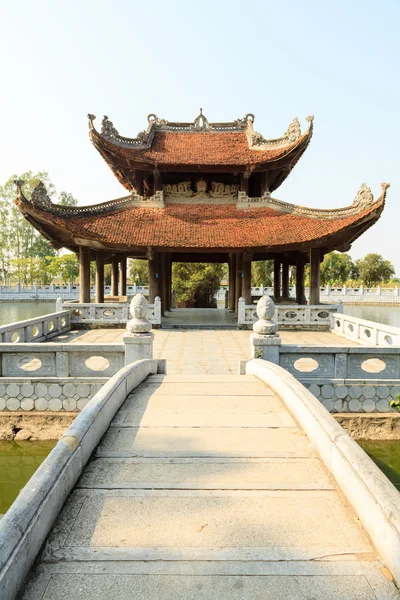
40 196
222 190
265 311
294 130
364 198
183 190
175 190
139 309
107 128
201 122
62 364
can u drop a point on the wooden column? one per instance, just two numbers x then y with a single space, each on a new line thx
170 297
246 279
244 182
114 276
157 180
122 276
238 282
84 274
300 295
154 275
315 259
99 298
232 278
163 257
285 280
277 279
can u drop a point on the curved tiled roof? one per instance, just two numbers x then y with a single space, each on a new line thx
214 146
204 226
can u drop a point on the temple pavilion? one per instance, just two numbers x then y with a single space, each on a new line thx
201 192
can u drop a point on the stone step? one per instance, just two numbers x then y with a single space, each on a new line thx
206 474
206 441
245 388
160 418
211 581
206 525
144 400
200 378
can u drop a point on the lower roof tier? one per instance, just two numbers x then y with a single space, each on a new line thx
202 227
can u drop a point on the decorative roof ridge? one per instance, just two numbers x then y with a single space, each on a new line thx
40 200
200 124
363 201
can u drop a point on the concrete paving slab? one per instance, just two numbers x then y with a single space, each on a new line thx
82 586
215 441
192 519
158 418
227 404
206 474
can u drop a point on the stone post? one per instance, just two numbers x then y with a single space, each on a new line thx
265 342
139 339
59 302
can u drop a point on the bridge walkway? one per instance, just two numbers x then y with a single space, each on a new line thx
204 487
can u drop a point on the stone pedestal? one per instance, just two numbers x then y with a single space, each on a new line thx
265 347
139 338
138 346
265 342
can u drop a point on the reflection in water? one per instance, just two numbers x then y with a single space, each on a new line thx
18 462
385 454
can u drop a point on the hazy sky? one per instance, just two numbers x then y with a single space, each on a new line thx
337 60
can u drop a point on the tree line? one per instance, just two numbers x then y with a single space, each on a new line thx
26 257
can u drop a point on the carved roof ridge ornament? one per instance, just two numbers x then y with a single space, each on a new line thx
292 134
364 200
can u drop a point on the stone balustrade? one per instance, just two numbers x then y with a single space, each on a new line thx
288 316
37 329
50 292
60 360
108 313
363 331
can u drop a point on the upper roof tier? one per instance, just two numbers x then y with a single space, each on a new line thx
200 146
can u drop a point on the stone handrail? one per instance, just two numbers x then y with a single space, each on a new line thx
108 312
37 329
375 500
340 362
60 360
288 315
363 331
26 524
52 291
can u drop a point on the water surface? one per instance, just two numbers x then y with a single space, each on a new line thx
387 315
18 462
386 455
13 311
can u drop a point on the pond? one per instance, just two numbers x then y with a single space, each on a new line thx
18 462
387 315
11 312
386 455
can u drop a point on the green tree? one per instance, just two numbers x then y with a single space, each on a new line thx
139 271
67 199
196 283
261 272
18 239
374 269
336 268
66 266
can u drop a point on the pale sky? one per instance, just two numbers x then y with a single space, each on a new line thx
337 60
